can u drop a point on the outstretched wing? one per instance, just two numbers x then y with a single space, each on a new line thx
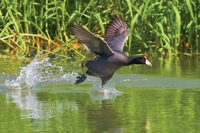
116 34
90 41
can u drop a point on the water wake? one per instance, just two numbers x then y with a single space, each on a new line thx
37 72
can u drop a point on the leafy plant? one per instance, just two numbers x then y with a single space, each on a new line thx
166 26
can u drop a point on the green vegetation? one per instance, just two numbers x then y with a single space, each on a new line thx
28 26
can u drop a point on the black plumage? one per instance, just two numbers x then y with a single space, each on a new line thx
109 52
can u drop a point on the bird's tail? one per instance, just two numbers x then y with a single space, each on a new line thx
80 78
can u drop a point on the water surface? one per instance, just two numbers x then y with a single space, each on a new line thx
39 96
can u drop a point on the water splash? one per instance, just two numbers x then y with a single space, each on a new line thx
40 71
37 72
105 93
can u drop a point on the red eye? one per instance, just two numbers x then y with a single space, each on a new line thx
145 58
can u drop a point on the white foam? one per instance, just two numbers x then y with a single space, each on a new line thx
37 72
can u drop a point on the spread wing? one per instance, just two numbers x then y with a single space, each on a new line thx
91 42
116 34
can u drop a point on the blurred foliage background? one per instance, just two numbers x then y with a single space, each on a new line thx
157 26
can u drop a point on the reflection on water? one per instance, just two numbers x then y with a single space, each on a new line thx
137 109
105 119
26 100
156 99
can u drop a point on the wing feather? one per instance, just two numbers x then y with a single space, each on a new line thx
116 34
90 41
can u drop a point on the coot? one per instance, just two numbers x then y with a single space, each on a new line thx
109 52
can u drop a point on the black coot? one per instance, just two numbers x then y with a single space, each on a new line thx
109 52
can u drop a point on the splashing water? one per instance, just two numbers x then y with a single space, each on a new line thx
105 93
44 71
37 72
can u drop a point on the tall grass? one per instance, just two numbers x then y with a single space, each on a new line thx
165 26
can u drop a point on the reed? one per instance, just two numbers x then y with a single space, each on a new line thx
165 26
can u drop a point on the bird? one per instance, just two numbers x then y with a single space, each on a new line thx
109 55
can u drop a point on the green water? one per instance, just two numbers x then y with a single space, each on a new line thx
158 99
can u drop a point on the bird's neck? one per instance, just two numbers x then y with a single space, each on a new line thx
135 60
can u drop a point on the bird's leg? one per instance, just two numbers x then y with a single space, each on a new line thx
103 83
81 77
104 80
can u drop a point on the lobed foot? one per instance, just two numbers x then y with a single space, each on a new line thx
80 78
